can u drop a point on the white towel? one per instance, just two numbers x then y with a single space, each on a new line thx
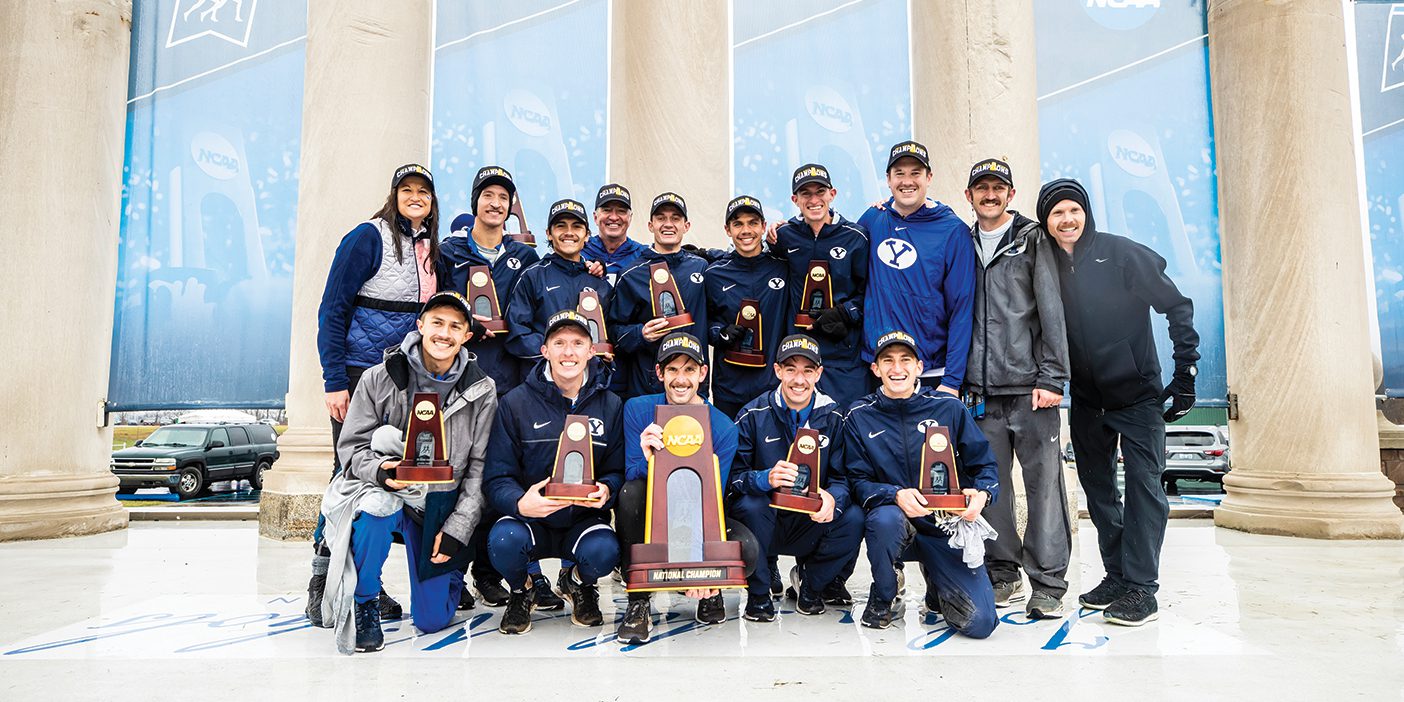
969 537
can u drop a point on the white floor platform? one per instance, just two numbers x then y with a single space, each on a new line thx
211 611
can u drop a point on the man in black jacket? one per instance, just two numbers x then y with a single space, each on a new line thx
1014 383
1109 285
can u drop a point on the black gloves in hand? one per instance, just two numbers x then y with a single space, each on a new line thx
449 546
1180 393
833 323
732 335
477 329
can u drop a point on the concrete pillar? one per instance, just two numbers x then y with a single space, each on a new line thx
670 109
365 111
1305 444
63 89
975 93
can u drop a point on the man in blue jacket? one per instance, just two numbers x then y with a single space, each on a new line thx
521 456
612 247
824 541
554 283
818 233
882 437
747 272
634 326
922 275
483 243
681 368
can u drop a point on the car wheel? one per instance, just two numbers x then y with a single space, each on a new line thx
126 490
256 480
192 483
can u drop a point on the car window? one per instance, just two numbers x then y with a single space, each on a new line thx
219 435
238 437
176 436
1190 438
263 434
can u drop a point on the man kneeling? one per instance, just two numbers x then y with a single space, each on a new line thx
365 506
521 458
883 437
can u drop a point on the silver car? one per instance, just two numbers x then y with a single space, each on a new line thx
1196 453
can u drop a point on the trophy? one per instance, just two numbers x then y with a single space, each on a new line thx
818 294
524 236
426 453
938 482
667 301
589 307
573 477
685 542
482 297
803 496
748 353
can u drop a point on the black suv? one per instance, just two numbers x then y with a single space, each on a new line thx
187 457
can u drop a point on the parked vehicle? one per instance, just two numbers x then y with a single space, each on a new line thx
1195 453
188 457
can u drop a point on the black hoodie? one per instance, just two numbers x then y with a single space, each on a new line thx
1109 285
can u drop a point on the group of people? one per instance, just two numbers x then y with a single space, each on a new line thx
925 320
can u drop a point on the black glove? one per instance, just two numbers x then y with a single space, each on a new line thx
732 335
449 546
477 329
832 323
1180 393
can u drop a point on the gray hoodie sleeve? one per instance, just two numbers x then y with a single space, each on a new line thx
363 417
1053 337
469 508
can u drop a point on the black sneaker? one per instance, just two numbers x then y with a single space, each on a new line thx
777 588
465 599
1043 605
809 602
546 600
1007 593
491 592
316 587
369 637
759 609
837 594
931 603
1134 608
517 618
1106 592
877 614
637 624
584 599
390 610
711 610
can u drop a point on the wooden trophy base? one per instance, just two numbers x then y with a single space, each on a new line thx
525 238
796 503
578 492
438 473
946 503
804 321
496 326
678 321
745 358
720 569
603 348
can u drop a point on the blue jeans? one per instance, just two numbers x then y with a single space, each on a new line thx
966 596
433 602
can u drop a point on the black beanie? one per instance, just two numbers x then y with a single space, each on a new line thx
1056 191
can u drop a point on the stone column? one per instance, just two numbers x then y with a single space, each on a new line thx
1305 444
63 91
975 93
365 111
670 109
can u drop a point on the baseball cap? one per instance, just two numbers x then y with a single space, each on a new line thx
810 173
447 298
613 192
991 167
680 343
893 338
744 202
669 198
565 318
411 169
492 175
566 208
798 345
908 148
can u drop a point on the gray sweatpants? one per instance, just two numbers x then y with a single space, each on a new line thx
1013 428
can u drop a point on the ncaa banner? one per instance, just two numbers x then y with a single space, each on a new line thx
1379 45
204 272
830 84
522 85
1124 108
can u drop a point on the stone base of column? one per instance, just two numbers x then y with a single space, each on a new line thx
292 490
46 507
1312 505
1392 455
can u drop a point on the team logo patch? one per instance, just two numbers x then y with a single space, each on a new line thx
596 427
823 441
776 283
698 278
896 253
838 253
925 424
514 264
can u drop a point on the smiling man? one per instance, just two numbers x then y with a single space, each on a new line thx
745 273
554 283
1109 285
883 437
612 246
